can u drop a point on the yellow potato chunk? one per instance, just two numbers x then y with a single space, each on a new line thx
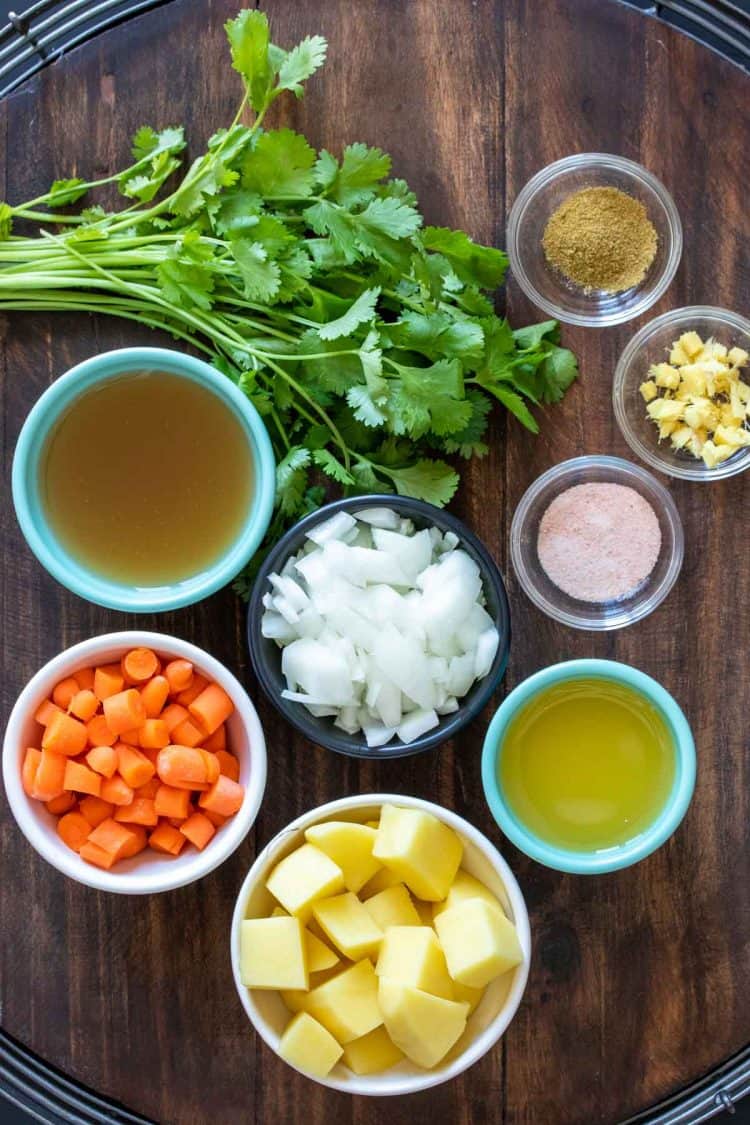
412 955
302 877
465 886
470 996
307 1045
423 1026
350 848
648 390
424 910
347 1004
666 376
421 849
348 924
319 955
738 357
691 344
273 953
380 882
372 1053
296 999
479 942
393 907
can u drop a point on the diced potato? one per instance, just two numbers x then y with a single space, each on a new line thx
666 376
304 876
349 925
423 851
681 436
693 379
463 887
319 955
479 942
384 879
648 390
469 995
393 907
296 999
347 1004
412 955
424 910
372 1053
307 1045
423 1026
350 847
738 357
678 356
665 409
273 953
373 824
691 344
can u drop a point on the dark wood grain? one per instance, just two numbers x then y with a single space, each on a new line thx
640 980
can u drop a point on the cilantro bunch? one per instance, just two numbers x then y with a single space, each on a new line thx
365 339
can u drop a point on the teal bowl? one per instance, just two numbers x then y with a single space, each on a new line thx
30 511
622 855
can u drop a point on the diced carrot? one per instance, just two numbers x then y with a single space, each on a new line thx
154 734
213 769
84 677
133 766
45 711
31 761
110 836
63 692
81 779
165 838
65 735
50 776
187 733
228 764
183 767
130 737
154 695
137 844
216 819
198 829
152 755
84 705
139 665
116 791
173 715
92 853
211 708
216 741
103 759
197 684
108 681
124 711
99 733
171 802
224 797
62 804
140 811
149 789
179 673
96 810
73 829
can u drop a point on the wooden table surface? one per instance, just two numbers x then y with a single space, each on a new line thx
640 980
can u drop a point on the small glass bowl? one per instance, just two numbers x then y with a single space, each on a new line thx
651 345
542 590
543 194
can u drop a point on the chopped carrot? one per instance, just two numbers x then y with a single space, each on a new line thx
45 711
99 733
217 741
173 715
84 677
92 853
228 764
73 829
124 711
84 705
179 673
149 789
154 734
171 802
50 776
197 684
133 766
216 818
108 681
81 779
224 797
183 767
130 737
116 791
165 838
62 804
198 829
211 708
96 810
187 733
137 844
140 811
103 759
154 695
213 769
63 692
139 665
151 754
65 735
31 761
110 836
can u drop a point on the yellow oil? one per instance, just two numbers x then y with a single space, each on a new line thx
587 765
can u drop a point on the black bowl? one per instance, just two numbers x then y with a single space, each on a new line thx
266 654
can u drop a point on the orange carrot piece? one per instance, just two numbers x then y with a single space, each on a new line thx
197 684
96 810
137 844
116 791
198 829
124 711
92 853
110 836
133 766
81 779
62 804
108 681
84 705
154 695
31 761
45 711
211 708
65 735
130 737
216 819
84 677
140 811
173 715
139 665
213 769
179 673
171 802
224 797
187 733
152 755
73 829
50 776
216 741
99 733
228 764
165 838
103 760
183 767
63 692
154 735
149 789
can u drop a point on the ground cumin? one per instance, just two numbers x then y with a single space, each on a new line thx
601 238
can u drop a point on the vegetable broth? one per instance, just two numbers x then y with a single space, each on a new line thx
147 479
587 764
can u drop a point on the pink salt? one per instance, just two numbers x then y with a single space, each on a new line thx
599 542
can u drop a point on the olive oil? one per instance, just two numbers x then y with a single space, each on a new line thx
587 764
147 479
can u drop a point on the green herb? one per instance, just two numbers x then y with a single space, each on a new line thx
364 338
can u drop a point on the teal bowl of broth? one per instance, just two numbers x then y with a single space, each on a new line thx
143 479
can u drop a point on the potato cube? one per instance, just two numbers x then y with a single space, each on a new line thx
681 436
319 955
347 1004
678 357
412 955
307 1045
648 390
424 910
423 1026
296 999
465 886
423 851
738 357
372 1053
384 879
479 942
347 923
691 344
350 847
665 409
302 877
666 376
273 953
470 996
393 907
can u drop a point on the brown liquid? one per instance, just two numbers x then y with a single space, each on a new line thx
148 479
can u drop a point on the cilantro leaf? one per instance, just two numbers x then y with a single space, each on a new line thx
391 217
468 441
428 398
291 479
437 334
515 404
359 312
299 63
480 265
249 39
148 143
532 335
333 468
260 276
280 164
366 408
557 371
64 192
184 276
361 170
429 480
235 210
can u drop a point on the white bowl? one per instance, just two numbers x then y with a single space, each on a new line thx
148 872
486 1024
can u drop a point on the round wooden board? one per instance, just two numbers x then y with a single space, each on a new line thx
639 982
